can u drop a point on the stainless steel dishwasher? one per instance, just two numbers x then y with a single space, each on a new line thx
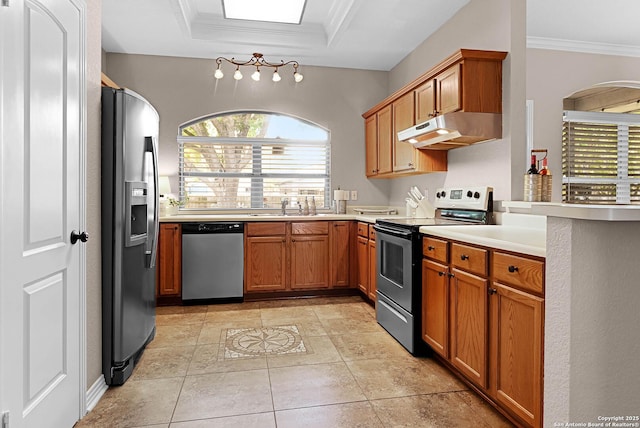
212 261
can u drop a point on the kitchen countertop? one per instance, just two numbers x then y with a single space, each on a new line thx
184 218
576 211
520 233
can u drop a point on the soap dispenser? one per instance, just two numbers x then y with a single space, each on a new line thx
313 206
305 210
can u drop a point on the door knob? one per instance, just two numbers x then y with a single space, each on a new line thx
82 237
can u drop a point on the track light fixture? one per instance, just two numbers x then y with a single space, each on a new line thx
257 61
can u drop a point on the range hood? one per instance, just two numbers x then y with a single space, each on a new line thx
453 130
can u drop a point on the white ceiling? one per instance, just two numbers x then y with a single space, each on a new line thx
365 34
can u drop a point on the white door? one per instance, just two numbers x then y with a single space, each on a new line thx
42 129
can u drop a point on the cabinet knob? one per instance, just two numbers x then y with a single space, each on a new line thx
513 269
441 273
431 248
451 275
464 257
492 291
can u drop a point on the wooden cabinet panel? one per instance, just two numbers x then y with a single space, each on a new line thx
449 90
265 263
310 228
517 349
267 228
169 262
372 232
469 318
469 258
363 229
436 249
385 141
371 145
310 262
403 118
521 272
425 99
435 304
362 250
373 272
340 255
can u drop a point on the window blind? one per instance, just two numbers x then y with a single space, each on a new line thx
600 158
218 173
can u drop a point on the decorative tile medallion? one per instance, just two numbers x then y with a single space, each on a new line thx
252 342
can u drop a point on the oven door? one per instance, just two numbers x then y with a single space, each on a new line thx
394 265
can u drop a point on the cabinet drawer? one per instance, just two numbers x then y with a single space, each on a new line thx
310 228
363 229
266 229
436 249
372 232
471 259
518 271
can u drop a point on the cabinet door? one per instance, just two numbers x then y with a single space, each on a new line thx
385 140
340 239
469 316
449 90
265 263
310 262
371 145
403 153
373 272
362 248
425 96
516 352
435 306
169 260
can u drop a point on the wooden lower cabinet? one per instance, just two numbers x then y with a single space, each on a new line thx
309 262
169 261
297 256
373 273
362 248
435 304
366 259
265 263
488 325
468 311
516 347
340 253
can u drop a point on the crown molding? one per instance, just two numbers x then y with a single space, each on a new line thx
580 46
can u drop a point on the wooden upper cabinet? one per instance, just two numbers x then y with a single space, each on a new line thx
371 145
385 140
469 80
425 96
403 118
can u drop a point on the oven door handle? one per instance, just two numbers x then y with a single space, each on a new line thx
392 232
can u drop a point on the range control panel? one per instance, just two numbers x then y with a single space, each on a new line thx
470 198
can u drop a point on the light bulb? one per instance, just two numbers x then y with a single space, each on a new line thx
256 75
218 74
298 77
237 75
276 76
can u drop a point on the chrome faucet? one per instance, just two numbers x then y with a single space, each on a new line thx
284 202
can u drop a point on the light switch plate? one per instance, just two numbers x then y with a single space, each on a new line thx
354 195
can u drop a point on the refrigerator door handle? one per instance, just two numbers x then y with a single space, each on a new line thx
151 252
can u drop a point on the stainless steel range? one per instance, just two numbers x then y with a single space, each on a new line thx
399 255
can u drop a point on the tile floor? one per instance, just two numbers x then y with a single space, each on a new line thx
313 363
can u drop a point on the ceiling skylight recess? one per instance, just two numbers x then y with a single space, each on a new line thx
278 11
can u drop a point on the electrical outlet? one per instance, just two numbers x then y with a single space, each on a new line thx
354 195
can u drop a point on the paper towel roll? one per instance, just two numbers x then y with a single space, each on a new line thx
340 195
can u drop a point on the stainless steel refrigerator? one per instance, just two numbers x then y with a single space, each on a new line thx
129 229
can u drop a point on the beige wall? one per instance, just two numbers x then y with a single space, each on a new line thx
94 262
182 89
553 75
481 24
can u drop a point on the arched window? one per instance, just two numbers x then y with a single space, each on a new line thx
253 159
